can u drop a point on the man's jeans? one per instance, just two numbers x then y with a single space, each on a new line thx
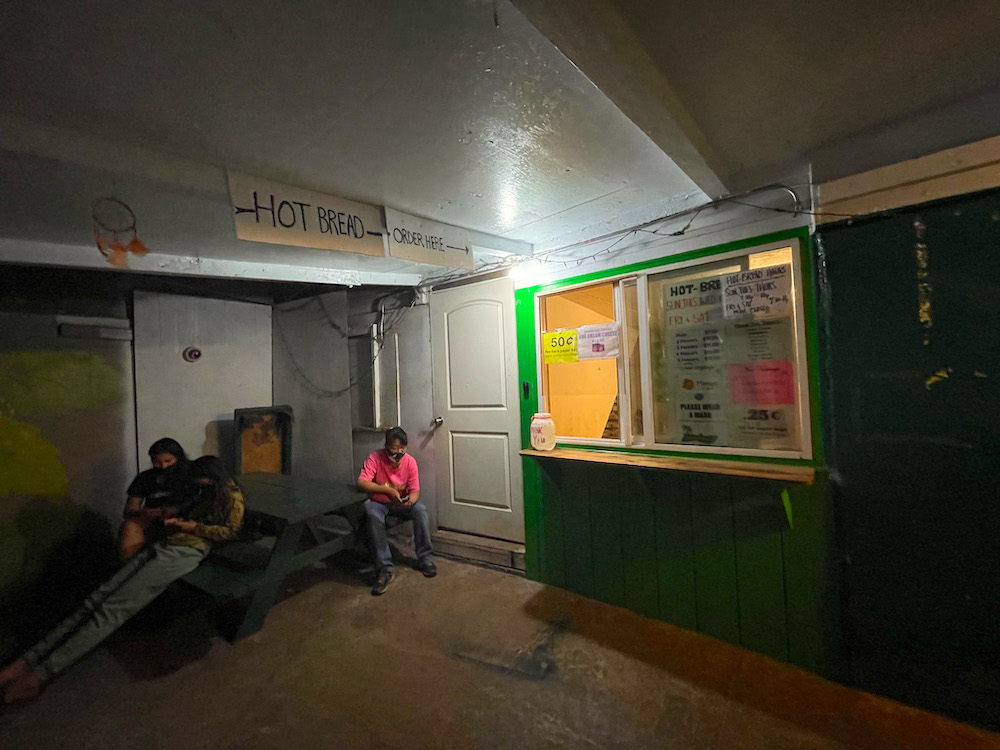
375 514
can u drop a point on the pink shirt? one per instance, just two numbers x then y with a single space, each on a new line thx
378 469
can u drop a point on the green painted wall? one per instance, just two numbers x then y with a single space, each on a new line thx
710 553
912 308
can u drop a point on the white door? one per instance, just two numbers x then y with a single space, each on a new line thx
474 352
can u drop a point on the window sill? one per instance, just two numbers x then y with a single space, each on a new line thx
803 474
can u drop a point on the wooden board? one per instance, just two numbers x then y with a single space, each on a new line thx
804 474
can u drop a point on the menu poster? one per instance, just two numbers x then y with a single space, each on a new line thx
700 406
697 346
762 397
598 341
757 383
693 303
760 340
771 426
761 292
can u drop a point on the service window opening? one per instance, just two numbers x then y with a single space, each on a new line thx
703 356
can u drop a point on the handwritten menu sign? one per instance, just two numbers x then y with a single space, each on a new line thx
692 303
761 292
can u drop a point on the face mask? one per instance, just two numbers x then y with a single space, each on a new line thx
396 457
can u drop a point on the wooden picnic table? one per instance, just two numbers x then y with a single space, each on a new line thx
298 508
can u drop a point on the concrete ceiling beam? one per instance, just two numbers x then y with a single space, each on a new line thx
593 36
58 255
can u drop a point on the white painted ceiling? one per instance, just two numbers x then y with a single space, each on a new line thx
463 112
762 88
438 108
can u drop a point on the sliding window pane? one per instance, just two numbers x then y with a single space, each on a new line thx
631 297
723 353
582 396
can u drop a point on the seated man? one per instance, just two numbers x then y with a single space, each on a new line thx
390 478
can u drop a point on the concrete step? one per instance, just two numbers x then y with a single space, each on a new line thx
493 552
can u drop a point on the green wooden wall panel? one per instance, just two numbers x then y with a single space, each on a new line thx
700 551
533 548
714 557
676 590
606 517
552 563
578 530
758 521
812 579
639 548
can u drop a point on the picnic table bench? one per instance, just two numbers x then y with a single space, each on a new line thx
299 511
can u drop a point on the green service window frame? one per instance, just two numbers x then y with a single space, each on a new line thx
704 355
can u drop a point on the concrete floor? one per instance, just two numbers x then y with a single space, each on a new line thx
474 658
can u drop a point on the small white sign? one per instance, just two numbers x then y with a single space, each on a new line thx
425 241
598 341
266 211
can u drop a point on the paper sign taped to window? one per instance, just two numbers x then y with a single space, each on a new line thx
597 341
559 346
761 383
761 293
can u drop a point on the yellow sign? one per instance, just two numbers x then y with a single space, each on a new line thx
559 346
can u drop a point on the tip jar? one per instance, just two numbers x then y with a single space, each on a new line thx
543 432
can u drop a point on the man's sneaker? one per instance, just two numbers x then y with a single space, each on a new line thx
382 582
428 568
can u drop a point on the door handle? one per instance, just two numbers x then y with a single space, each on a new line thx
438 421
526 387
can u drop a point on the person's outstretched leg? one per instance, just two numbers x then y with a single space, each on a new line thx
102 614
20 679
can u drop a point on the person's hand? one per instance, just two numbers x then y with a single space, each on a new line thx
169 512
180 524
391 492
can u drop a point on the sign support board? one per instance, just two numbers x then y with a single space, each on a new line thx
425 241
266 211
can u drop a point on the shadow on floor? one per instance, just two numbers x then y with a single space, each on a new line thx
175 629
784 692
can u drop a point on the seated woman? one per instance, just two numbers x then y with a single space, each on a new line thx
154 494
216 516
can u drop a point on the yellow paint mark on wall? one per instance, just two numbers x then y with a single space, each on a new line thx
937 377
29 464
925 312
56 382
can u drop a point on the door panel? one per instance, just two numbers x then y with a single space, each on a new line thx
475 393
481 470
475 355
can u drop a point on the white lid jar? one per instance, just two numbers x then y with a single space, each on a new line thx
543 432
